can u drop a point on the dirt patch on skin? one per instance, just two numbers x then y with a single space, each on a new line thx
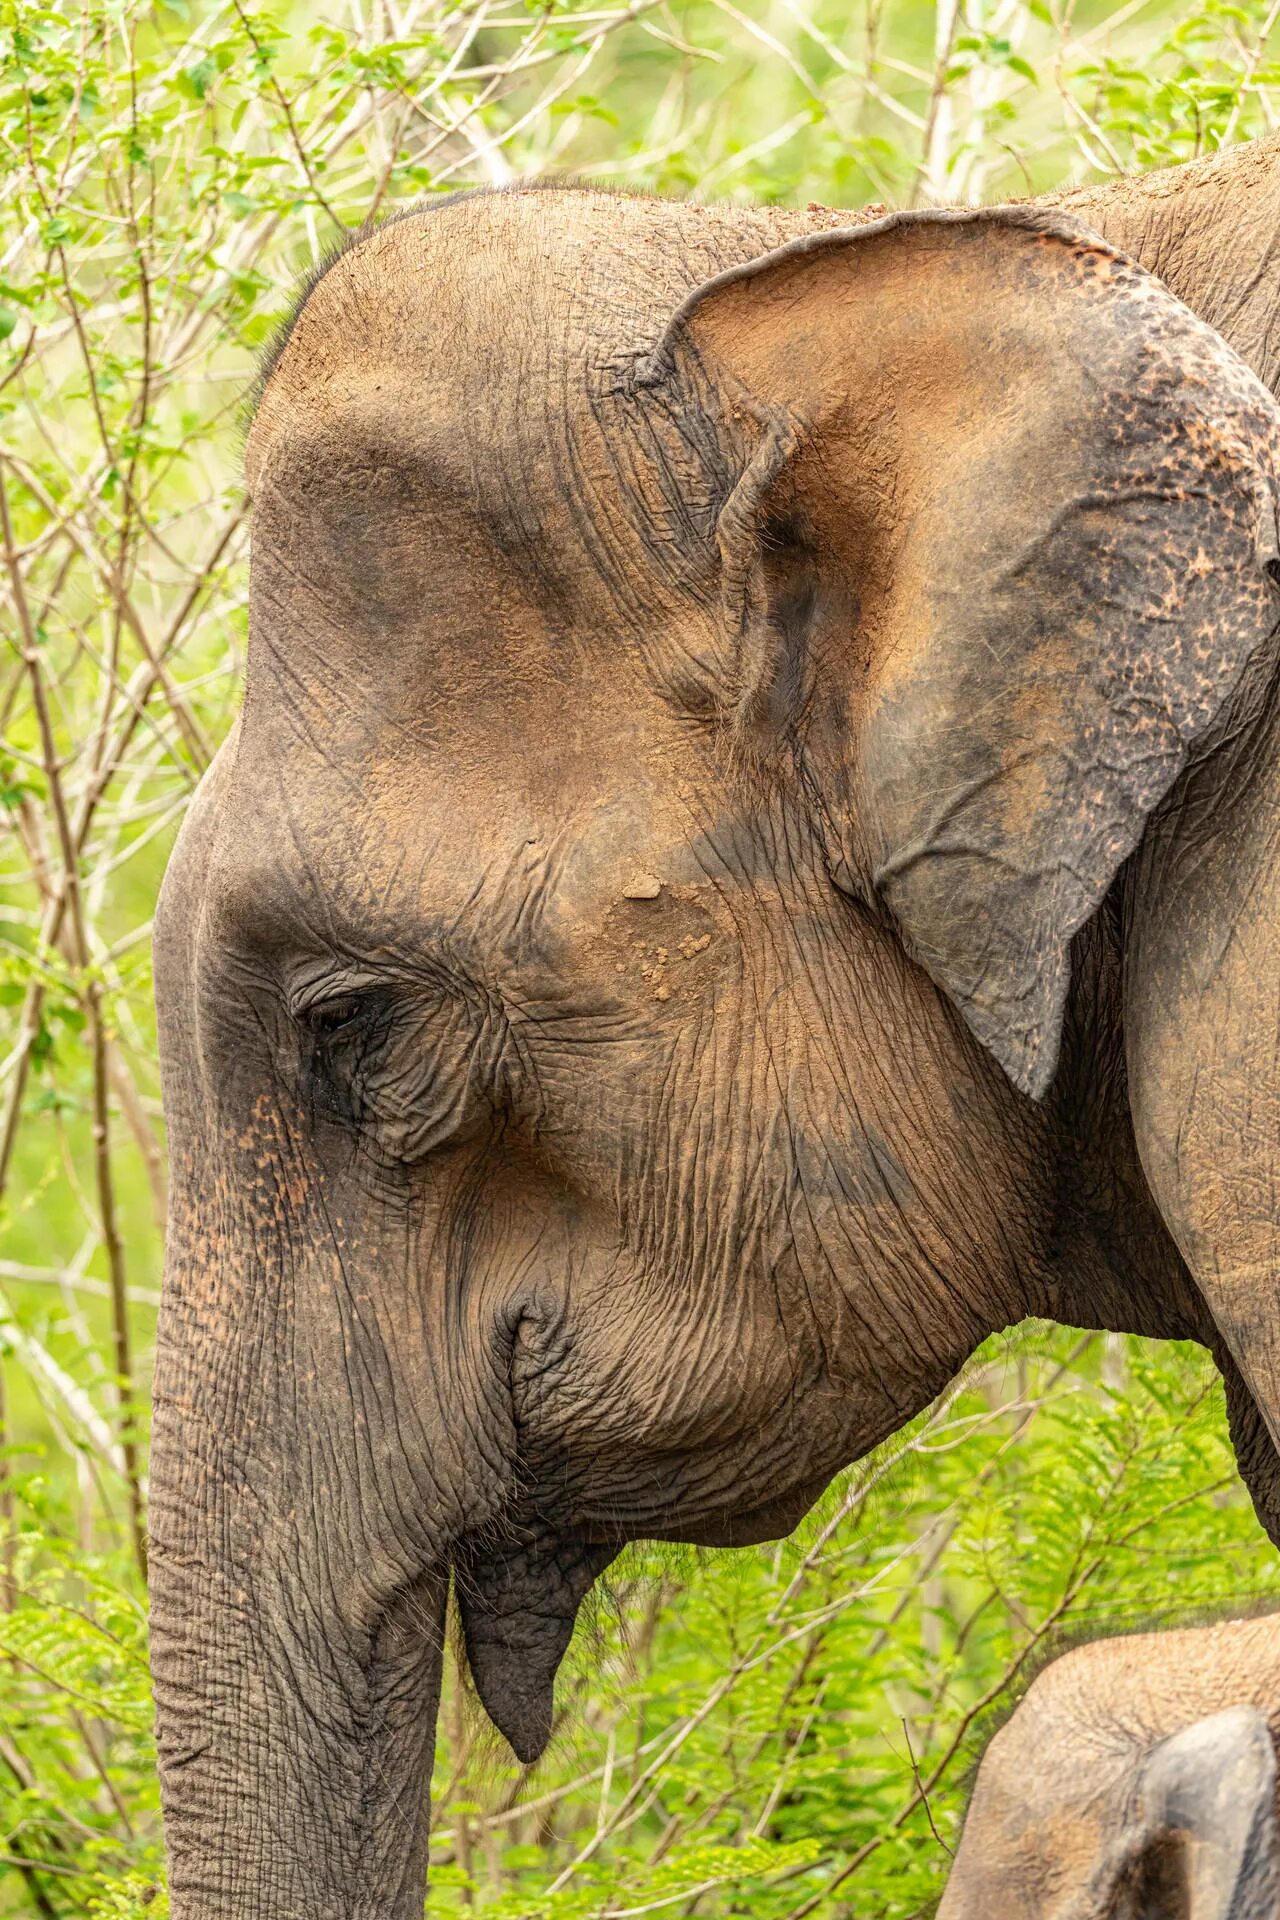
664 943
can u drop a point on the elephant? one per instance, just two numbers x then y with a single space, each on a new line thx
1136 1780
742 871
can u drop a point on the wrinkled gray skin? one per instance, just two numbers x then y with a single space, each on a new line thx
1136 1781
645 989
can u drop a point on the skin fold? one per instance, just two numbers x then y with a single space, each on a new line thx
644 990
1202 1015
1135 1781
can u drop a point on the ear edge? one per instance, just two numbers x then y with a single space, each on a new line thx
656 364
1215 1781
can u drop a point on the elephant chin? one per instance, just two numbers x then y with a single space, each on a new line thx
518 1600
752 1526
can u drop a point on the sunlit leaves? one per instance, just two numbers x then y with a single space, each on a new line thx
804 1695
165 172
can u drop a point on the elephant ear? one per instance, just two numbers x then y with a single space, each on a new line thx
1206 1816
1036 498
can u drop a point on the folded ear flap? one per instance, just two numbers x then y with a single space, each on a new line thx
1207 1803
1037 498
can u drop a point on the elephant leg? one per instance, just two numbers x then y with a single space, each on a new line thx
1202 1024
1255 1452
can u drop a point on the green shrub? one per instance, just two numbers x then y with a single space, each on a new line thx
776 1732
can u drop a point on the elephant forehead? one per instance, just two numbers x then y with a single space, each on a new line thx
433 295
442 479
487 855
497 303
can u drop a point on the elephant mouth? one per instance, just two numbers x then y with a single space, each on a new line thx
519 1594
518 1599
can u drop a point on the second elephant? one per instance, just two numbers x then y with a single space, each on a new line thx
1136 1781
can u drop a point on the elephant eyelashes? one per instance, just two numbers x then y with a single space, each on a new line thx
331 1017
341 1034
409 1069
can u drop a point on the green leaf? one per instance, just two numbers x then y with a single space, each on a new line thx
202 76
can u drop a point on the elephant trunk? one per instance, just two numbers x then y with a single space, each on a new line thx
295 1731
319 1473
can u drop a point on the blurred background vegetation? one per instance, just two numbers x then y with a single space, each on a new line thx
780 1732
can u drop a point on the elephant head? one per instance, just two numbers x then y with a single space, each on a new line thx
1136 1781
622 1050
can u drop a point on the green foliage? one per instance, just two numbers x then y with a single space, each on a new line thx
78 1792
776 1732
831 1694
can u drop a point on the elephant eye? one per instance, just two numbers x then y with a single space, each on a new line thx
340 1031
329 1018
404 1067
344 1037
